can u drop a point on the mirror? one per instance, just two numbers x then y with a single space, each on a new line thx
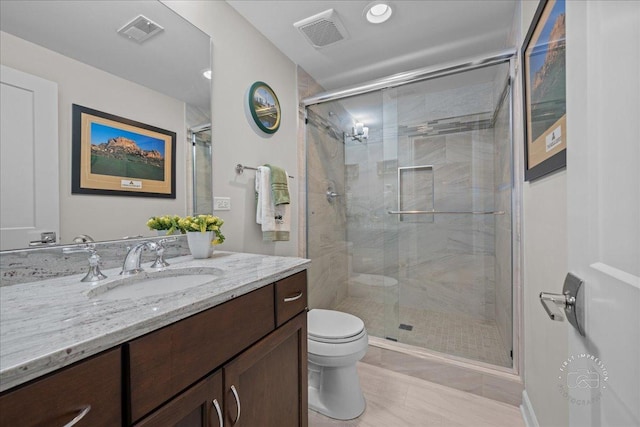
167 68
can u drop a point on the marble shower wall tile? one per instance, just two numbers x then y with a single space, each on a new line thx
445 263
326 221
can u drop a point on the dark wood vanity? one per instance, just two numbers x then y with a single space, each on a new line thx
243 362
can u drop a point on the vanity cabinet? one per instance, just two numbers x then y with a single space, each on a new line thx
255 371
167 361
90 390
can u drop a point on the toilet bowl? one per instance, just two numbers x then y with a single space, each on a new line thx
336 341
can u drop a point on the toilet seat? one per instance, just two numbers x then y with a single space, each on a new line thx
334 327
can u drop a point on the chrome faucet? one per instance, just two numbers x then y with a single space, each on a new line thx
134 255
132 260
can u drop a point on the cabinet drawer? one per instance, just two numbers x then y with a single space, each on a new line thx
167 361
95 383
291 297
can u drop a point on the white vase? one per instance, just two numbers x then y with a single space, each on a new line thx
200 243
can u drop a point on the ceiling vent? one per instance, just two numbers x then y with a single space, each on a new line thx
323 29
140 29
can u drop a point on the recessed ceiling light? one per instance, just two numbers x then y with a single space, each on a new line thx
378 12
207 74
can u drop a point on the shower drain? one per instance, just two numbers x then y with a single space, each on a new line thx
405 327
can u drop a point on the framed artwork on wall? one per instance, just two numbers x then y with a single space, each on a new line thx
264 107
544 83
116 156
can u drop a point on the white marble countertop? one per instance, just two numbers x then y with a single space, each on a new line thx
53 323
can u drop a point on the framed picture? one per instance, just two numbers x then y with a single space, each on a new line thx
264 107
115 156
545 98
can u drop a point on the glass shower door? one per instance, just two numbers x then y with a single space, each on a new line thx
447 172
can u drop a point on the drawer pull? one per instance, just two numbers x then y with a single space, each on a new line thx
235 396
218 411
78 417
293 298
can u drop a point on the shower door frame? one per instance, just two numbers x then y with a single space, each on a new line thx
429 73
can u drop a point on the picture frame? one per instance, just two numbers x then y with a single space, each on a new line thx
544 91
116 156
264 107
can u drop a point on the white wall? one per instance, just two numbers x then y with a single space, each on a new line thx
545 266
102 217
242 56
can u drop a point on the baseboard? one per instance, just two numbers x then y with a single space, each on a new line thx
528 414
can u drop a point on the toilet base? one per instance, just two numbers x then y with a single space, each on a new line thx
335 391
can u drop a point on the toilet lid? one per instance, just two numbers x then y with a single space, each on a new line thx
333 325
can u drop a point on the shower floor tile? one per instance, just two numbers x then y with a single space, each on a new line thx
442 332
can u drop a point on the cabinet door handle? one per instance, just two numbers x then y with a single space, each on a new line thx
218 411
293 298
235 396
81 414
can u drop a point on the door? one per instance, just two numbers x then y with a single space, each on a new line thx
603 183
28 158
267 384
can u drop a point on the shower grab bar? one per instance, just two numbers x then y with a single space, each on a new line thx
240 169
445 212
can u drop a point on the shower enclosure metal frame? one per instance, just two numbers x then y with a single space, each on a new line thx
450 68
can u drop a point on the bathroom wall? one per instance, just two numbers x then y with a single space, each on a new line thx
242 56
102 217
544 239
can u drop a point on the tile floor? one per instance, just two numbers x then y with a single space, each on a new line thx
397 400
446 333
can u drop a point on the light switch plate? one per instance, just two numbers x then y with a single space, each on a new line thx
222 203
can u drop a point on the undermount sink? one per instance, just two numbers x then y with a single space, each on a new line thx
151 283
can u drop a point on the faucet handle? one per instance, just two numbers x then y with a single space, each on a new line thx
160 247
94 274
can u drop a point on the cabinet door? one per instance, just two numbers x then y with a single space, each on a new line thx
89 391
266 385
200 405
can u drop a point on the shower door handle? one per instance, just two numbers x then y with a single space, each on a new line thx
571 300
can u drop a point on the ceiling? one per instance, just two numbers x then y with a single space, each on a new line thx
418 34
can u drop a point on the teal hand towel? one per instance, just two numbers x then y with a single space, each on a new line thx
279 186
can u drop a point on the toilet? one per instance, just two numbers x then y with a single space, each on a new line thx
336 341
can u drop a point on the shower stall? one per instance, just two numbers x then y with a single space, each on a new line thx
409 209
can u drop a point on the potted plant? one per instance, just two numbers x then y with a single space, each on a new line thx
203 231
165 224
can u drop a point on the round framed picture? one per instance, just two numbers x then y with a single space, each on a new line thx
264 107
